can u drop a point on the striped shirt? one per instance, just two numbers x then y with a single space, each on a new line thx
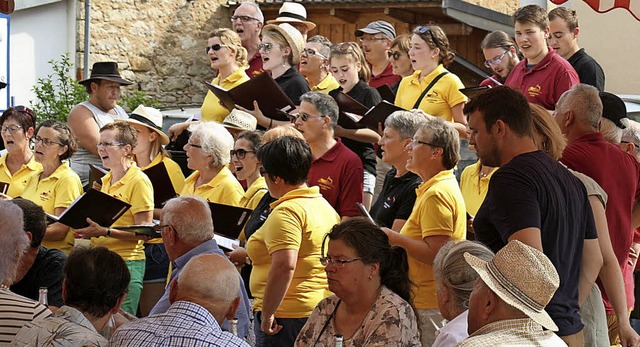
184 324
512 332
16 311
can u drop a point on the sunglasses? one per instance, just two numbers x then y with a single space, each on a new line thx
266 47
423 30
215 48
240 153
343 47
395 55
303 116
309 52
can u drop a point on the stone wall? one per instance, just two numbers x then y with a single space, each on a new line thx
503 6
158 44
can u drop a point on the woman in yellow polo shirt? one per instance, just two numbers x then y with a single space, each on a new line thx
245 159
209 153
17 125
57 186
128 183
287 280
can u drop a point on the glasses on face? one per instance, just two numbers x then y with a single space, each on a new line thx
340 263
423 30
159 227
193 145
266 47
495 61
110 144
369 39
215 48
394 55
243 19
240 153
12 129
47 142
262 170
415 142
305 117
309 52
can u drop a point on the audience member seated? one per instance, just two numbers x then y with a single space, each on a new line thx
96 281
197 309
506 306
39 267
372 301
17 310
187 231
455 280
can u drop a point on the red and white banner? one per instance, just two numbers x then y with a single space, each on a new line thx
602 6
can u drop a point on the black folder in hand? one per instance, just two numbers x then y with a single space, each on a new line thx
102 208
96 173
228 222
162 185
354 115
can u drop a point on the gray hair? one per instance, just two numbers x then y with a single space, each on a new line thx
443 135
259 14
324 103
406 123
584 101
610 131
215 140
451 270
222 285
13 240
631 133
325 44
190 216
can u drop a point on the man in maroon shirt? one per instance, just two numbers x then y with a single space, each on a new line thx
578 113
335 168
247 21
376 40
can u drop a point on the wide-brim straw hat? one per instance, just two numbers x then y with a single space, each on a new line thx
521 276
106 70
292 12
151 118
238 121
291 35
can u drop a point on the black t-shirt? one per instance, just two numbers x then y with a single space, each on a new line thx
396 199
257 218
293 84
369 97
535 191
588 69
46 271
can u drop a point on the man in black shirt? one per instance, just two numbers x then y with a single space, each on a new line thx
39 266
532 198
563 37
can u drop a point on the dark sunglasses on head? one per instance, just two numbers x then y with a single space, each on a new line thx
395 55
423 30
28 111
240 153
343 47
215 48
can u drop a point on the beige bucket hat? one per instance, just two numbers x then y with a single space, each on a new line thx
291 35
151 118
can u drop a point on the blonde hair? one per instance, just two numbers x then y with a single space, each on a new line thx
231 39
610 131
546 133
282 42
352 50
280 131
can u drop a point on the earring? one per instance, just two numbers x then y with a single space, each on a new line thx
370 277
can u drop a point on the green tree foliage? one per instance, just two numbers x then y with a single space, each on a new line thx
137 98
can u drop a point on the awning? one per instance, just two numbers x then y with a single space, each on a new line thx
477 16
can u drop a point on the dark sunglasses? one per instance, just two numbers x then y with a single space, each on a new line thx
26 110
215 48
240 153
343 47
423 30
395 55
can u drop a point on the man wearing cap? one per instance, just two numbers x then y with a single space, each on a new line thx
376 40
532 198
506 306
296 15
578 113
87 117
247 21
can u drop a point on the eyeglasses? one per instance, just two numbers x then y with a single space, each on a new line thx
369 39
303 116
262 170
423 30
12 129
215 48
635 144
193 145
240 153
266 47
415 142
309 52
159 227
243 19
110 144
395 55
340 263
495 60
47 142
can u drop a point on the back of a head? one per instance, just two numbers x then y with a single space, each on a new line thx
280 131
95 279
533 14
288 158
505 104
34 219
631 134
324 104
13 240
584 101
221 286
546 133
190 217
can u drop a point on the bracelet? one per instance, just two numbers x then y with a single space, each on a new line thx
108 232
270 123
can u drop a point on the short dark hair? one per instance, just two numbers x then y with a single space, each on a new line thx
288 158
95 278
533 14
254 137
569 15
324 104
505 104
497 39
26 117
35 221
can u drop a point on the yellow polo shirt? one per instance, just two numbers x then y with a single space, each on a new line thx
438 211
473 188
60 189
211 109
328 84
254 194
438 102
299 220
18 181
135 189
224 188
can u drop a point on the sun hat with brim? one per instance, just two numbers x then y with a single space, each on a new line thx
521 276
291 35
378 27
292 12
238 121
613 108
151 118
105 70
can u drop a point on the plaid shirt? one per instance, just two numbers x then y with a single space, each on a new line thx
512 332
184 324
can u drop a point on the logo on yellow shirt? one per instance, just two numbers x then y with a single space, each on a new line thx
325 183
534 90
44 196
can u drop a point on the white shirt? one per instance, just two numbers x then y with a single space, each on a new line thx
453 332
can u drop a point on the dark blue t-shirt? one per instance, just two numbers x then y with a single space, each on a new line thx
396 199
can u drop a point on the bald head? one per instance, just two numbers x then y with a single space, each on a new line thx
190 217
584 101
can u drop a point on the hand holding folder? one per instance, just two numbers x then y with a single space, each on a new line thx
228 222
102 208
354 115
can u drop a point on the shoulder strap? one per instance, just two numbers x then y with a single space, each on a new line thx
426 90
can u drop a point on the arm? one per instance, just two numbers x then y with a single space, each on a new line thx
283 265
365 135
95 230
398 224
459 120
591 266
176 129
424 250
56 231
635 215
528 236
85 128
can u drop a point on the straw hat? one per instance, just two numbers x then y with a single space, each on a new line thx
238 121
291 35
293 12
521 276
151 118
105 70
